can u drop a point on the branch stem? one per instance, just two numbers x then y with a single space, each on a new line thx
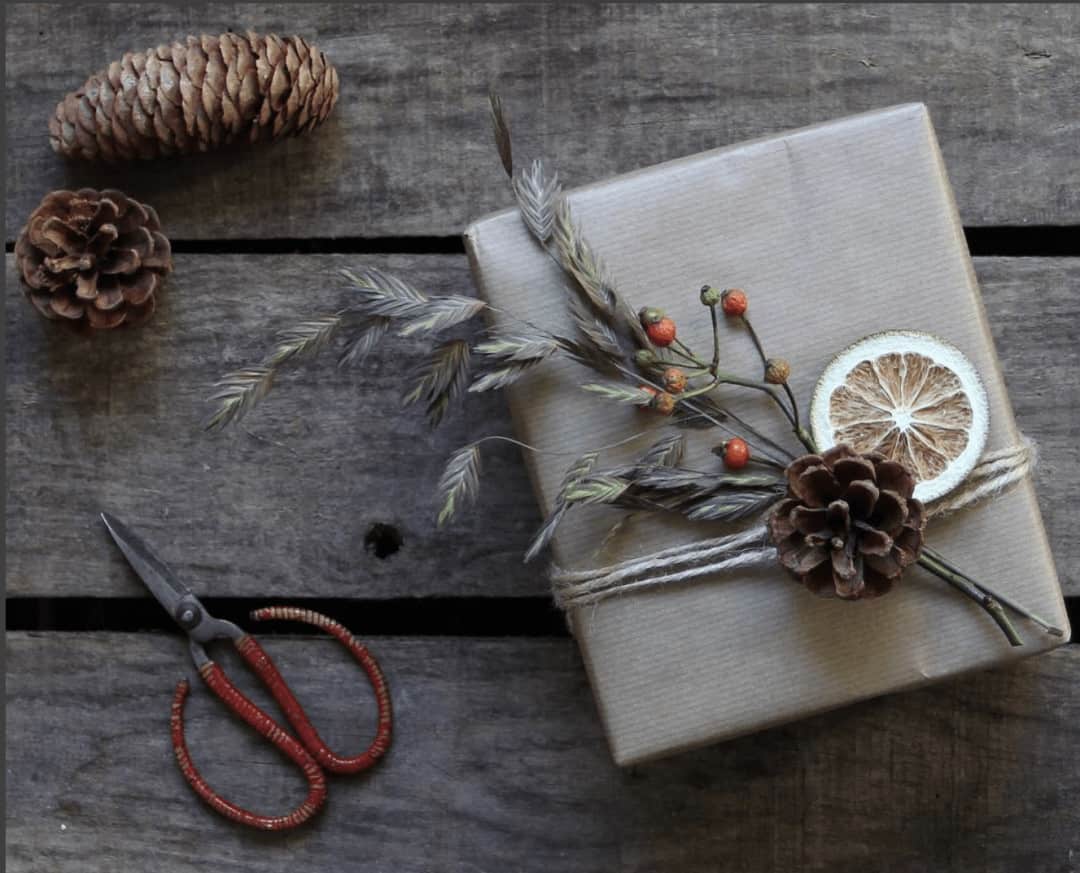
1004 601
991 605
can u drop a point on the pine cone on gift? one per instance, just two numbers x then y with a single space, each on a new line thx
849 525
94 258
194 96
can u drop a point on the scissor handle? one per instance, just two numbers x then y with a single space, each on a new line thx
264 667
232 697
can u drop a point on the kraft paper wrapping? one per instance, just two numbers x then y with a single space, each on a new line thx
835 231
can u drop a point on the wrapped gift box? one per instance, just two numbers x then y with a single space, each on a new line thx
835 231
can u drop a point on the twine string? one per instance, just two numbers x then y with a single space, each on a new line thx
995 472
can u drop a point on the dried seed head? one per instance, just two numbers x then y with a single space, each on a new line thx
710 296
777 371
674 380
664 403
733 302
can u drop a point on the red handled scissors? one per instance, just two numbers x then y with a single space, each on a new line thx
310 753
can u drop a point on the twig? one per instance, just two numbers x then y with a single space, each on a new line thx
985 600
1004 601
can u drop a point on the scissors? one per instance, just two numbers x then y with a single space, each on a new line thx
310 753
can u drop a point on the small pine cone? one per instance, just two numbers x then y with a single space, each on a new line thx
194 96
94 258
849 525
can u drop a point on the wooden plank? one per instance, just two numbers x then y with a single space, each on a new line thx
281 506
597 89
499 763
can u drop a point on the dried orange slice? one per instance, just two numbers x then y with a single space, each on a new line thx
912 397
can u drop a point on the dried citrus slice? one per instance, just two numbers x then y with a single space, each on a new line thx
910 396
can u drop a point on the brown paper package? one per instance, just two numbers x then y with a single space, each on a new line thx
836 231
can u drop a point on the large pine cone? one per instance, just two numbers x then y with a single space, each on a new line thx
93 257
193 96
849 525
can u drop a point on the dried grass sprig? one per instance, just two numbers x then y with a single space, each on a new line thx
460 481
305 338
383 295
442 313
441 379
237 393
581 262
501 125
503 375
538 196
374 329
620 393
731 507
597 489
577 471
665 452
519 346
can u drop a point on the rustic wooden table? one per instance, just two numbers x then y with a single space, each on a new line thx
323 497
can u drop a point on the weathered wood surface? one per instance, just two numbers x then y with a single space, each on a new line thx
598 89
113 423
499 764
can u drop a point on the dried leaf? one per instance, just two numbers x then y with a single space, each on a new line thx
501 126
620 392
362 346
442 378
537 197
460 481
441 313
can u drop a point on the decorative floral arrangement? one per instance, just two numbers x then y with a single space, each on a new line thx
902 419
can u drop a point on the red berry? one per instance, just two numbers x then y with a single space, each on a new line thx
662 332
736 453
733 302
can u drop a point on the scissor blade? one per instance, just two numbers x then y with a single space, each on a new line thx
153 571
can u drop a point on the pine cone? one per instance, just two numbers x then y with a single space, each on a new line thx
209 92
93 257
849 525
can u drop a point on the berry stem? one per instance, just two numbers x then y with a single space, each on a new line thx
794 418
715 339
981 597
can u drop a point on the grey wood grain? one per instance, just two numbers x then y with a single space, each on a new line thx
281 505
283 502
597 89
499 763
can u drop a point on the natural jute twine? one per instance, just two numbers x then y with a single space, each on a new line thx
995 472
